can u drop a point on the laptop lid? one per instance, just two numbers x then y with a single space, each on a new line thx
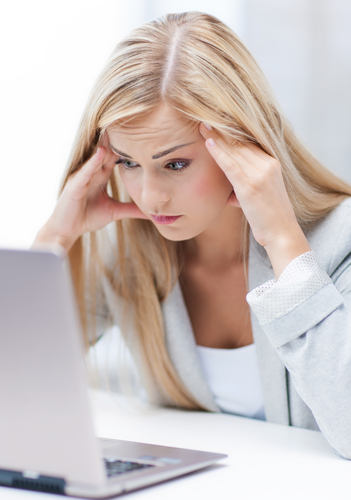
45 418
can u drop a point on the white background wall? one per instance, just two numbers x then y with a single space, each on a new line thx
52 52
304 47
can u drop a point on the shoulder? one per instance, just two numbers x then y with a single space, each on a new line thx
330 237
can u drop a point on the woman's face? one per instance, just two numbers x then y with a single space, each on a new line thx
169 174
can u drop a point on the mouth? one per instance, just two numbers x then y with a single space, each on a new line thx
165 219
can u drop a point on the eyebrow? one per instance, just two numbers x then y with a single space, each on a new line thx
155 157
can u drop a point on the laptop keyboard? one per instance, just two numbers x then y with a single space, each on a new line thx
115 467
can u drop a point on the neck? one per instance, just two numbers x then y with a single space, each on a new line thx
221 245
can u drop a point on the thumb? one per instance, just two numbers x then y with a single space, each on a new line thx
126 211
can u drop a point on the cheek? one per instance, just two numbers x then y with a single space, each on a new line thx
209 189
131 185
203 188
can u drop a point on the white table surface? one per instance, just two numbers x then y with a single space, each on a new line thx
265 461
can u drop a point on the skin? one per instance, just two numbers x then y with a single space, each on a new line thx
212 185
167 186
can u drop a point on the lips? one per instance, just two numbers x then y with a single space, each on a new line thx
165 219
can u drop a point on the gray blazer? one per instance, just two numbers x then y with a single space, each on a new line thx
304 356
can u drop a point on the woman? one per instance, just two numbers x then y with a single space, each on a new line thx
213 197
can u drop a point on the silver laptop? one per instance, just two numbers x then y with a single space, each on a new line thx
47 440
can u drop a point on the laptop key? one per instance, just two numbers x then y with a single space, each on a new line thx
115 467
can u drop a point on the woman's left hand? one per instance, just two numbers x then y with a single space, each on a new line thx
258 188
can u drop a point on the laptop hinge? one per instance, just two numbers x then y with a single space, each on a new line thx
29 480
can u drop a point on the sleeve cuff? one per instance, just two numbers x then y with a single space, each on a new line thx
301 279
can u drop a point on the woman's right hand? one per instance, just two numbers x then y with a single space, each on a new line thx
84 204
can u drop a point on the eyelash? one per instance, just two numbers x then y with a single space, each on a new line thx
185 163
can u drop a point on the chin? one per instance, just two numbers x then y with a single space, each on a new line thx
176 234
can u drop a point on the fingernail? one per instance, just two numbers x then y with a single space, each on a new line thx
207 126
211 142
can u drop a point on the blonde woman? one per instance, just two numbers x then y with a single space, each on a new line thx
187 189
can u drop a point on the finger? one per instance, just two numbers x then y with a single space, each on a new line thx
103 174
246 157
261 161
227 163
85 174
126 210
82 180
104 141
243 148
111 157
108 164
251 150
99 168
227 147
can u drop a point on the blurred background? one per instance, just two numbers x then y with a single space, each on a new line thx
52 52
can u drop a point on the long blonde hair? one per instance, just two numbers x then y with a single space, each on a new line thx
199 67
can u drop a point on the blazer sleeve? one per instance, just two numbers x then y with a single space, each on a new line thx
306 316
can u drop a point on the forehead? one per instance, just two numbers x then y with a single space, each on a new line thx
162 127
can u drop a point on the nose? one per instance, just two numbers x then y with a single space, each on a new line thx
155 192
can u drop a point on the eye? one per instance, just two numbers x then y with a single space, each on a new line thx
178 165
127 164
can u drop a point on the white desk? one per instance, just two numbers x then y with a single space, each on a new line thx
266 461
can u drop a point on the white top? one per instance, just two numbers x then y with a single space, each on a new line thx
233 378
232 374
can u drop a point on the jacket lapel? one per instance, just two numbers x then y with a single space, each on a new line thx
181 347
